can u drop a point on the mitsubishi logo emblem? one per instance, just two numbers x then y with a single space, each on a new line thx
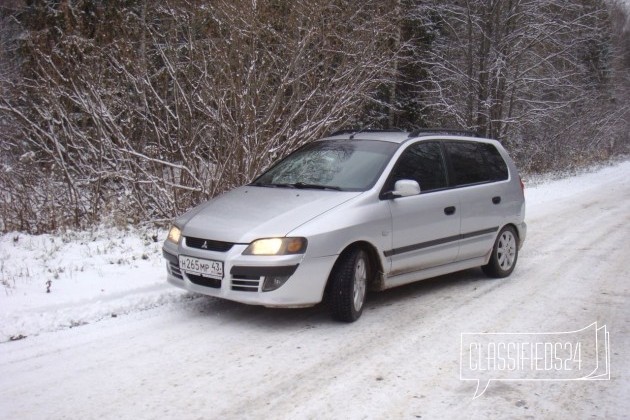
205 245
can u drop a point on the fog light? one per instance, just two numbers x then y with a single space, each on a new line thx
274 282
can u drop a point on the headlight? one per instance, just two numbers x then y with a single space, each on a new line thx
276 246
174 234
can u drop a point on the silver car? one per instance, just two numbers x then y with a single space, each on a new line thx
351 212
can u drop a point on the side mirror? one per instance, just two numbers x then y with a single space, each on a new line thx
406 188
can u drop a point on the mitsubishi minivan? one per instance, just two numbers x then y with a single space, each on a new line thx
355 211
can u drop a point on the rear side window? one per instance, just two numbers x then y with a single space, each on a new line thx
422 162
494 161
475 163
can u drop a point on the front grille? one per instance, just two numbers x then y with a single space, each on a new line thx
208 244
204 281
175 271
245 283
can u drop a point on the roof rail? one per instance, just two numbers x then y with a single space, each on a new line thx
450 131
365 130
345 131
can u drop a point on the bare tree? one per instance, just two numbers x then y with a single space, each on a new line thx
179 102
516 69
135 111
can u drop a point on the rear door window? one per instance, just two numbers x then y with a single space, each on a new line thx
475 163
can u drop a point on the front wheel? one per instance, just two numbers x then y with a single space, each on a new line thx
348 287
504 254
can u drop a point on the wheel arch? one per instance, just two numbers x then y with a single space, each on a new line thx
518 238
493 267
520 235
376 265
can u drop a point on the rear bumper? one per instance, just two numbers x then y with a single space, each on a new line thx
522 233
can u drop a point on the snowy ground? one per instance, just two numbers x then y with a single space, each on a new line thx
113 340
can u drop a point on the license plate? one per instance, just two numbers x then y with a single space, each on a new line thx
206 268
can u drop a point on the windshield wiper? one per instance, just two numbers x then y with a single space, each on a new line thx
299 185
303 185
260 184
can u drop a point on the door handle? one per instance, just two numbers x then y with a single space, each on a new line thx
449 211
496 200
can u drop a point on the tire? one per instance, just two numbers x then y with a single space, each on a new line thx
504 254
349 280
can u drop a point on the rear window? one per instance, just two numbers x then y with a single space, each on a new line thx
475 163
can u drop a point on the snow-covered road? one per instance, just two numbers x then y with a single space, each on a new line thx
182 356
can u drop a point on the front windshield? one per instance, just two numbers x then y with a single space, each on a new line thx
346 165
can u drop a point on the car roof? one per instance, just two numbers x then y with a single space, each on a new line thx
396 136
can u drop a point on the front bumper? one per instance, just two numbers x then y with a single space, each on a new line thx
245 276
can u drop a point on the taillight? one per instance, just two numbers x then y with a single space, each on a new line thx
522 184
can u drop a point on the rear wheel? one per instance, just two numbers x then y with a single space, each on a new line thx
348 287
504 254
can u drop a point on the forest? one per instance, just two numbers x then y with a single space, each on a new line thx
133 111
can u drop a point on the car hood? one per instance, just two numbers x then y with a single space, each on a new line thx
248 213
